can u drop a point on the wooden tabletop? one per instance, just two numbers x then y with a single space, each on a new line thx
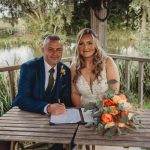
18 125
137 138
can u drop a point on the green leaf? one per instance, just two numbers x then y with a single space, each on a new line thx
111 131
99 104
113 81
100 128
109 93
89 106
124 119
97 114
89 124
96 120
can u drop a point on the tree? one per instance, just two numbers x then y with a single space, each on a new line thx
40 15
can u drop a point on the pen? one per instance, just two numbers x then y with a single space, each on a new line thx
59 101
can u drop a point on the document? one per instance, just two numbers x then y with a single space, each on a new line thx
72 115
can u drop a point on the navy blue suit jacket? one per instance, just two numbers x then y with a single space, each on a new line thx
31 89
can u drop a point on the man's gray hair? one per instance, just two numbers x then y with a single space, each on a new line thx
51 38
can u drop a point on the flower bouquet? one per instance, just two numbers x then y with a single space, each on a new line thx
113 115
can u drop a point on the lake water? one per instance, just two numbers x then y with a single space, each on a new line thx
14 56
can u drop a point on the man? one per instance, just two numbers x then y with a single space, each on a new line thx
45 83
34 77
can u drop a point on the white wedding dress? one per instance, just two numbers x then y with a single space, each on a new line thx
96 92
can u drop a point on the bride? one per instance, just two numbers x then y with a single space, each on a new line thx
91 69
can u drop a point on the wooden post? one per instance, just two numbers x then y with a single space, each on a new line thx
12 84
127 75
99 27
140 83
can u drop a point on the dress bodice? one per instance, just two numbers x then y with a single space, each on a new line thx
95 93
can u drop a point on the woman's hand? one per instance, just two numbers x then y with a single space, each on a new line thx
56 109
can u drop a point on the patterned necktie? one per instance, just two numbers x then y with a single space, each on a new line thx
50 82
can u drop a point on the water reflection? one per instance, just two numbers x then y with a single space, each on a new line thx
14 56
130 51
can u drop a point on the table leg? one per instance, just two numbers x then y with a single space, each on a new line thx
93 147
79 147
88 147
12 146
68 146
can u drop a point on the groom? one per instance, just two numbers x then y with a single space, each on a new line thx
45 82
34 94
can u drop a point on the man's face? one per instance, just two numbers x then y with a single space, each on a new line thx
52 52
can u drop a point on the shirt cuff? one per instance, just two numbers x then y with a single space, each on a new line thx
45 109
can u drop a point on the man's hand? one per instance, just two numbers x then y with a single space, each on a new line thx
56 109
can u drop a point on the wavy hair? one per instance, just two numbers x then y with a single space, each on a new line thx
99 56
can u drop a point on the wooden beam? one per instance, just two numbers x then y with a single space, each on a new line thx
99 27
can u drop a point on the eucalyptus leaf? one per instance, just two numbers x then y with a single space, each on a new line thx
100 128
89 124
112 81
124 119
111 131
110 93
89 106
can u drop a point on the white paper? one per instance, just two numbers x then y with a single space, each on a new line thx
71 115
87 115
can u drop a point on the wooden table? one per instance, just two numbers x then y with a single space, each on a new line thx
18 125
138 138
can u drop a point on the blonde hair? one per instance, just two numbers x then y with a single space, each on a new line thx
99 56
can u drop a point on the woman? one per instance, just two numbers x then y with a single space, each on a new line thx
91 69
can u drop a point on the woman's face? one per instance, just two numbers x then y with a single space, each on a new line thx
86 46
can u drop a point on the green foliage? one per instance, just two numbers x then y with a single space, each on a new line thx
110 93
1 109
110 132
89 106
133 76
4 94
118 39
112 117
80 18
5 99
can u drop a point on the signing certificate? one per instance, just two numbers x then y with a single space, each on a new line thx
71 115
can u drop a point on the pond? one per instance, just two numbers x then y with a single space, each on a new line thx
14 56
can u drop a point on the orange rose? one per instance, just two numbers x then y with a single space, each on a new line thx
108 102
107 118
123 97
116 99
